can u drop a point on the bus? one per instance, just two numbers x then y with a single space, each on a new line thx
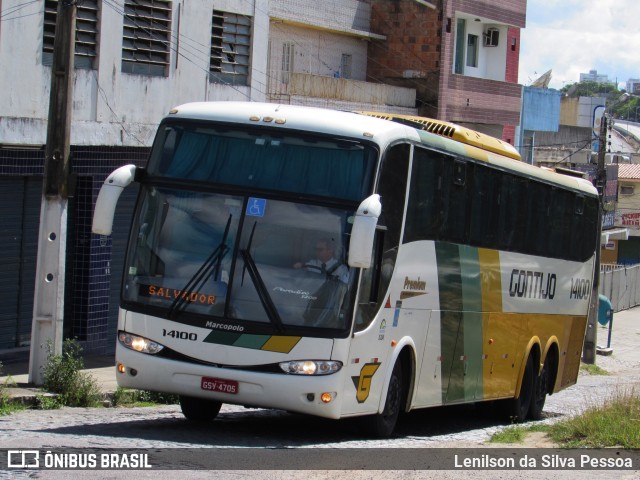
345 264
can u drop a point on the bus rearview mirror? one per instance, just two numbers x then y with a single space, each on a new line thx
363 232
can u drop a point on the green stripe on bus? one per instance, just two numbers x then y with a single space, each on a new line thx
271 343
252 341
222 338
472 307
451 325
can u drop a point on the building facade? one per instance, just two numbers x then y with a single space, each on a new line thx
594 76
628 213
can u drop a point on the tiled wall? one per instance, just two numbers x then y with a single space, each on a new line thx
88 313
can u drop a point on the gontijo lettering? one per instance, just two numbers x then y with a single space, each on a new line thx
528 284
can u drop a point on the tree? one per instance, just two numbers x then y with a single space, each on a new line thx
590 89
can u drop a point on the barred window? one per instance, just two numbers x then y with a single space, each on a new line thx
146 37
230 44
86 39
345 65
287 61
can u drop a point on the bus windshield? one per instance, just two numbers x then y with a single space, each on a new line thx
253 260
319 166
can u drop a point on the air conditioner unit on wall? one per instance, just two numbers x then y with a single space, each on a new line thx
491 37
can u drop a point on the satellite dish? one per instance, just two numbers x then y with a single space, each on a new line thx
543 80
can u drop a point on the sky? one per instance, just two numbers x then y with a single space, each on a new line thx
571 37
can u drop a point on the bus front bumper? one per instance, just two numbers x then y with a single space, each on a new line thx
294 393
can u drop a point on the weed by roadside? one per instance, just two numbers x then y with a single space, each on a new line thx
593 369
62 374
616 423
517 433
124 397
7 407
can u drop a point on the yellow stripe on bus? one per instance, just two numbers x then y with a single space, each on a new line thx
281 344
490 280
505 334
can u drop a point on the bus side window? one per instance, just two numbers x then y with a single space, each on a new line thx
455 185
392 185
485 207
425 206
511 224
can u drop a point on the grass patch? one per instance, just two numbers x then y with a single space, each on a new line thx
124 397
514 434
62 374
517 433
48 402
593 369
614 424
7 407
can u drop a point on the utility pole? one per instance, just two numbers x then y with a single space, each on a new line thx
48 302
591 337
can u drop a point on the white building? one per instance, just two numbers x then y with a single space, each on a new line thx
633 86
594 76
136 60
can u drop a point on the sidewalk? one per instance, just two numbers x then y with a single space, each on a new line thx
625 357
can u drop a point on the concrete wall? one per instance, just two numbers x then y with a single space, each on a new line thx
316 52
578 112
347 16
541 109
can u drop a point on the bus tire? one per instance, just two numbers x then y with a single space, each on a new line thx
520 406
199 409
384 423
540 389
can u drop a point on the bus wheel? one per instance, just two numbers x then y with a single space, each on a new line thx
520 406
384 423
199 409
540 389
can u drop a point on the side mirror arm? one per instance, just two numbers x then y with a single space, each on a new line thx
108 198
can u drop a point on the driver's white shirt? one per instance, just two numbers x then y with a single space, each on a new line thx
341 272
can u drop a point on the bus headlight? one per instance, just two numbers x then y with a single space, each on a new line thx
311 367
139 344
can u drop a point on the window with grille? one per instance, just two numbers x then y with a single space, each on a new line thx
287 61
146 37
86 39
345 65
230 45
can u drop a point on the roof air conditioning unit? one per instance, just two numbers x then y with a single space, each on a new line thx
491 37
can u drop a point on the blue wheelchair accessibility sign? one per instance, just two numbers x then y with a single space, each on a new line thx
256 207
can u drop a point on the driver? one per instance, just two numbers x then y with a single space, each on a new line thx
325 262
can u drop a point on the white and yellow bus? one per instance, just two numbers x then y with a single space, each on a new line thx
453 272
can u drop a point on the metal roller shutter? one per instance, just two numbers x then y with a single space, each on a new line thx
20 213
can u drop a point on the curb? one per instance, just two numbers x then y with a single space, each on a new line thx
29 396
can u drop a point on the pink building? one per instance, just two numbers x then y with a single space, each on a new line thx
461 56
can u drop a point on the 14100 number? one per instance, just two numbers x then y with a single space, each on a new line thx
180 335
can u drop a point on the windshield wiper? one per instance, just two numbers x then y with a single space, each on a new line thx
263 293
211 264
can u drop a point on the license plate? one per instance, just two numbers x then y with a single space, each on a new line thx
219 385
